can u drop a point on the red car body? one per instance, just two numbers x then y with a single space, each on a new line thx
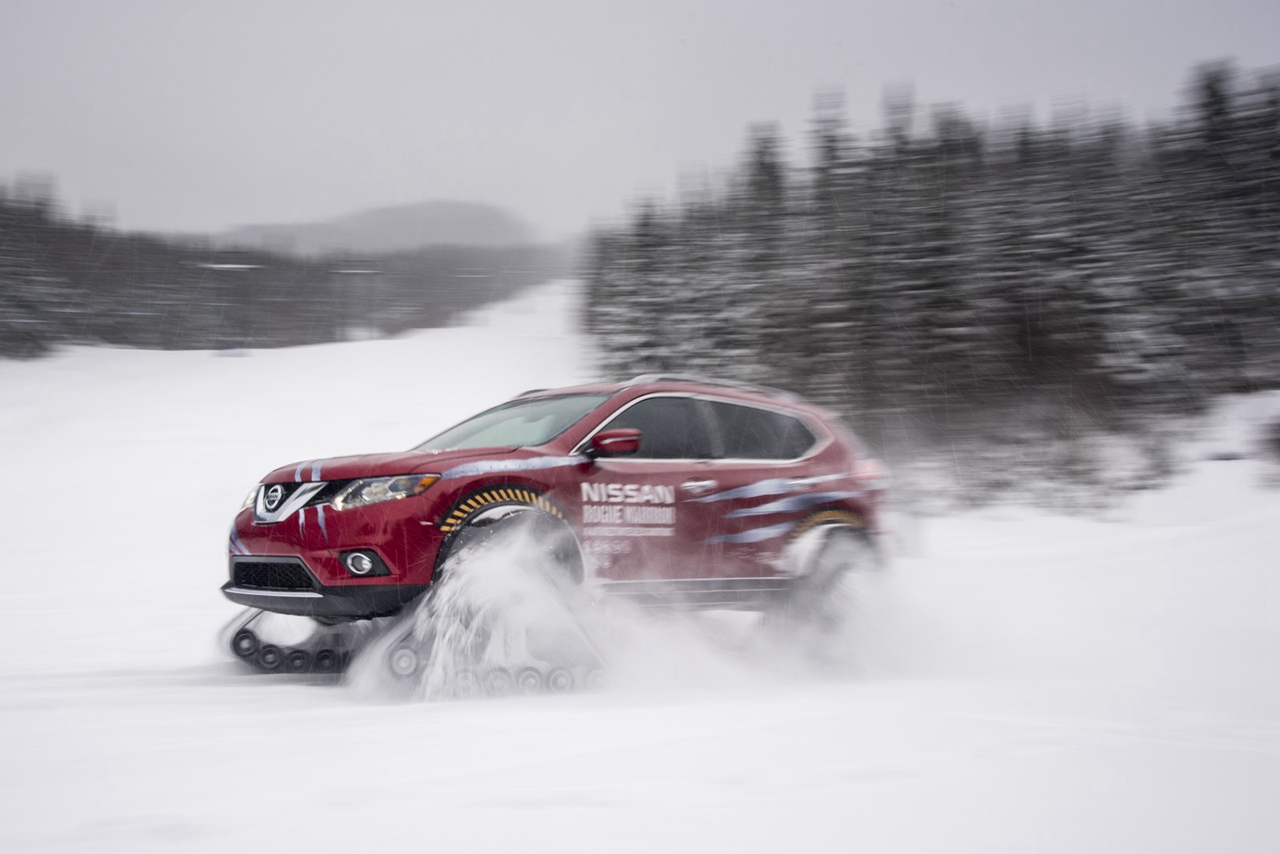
704 518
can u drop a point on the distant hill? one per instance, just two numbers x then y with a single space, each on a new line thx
391 229
63 281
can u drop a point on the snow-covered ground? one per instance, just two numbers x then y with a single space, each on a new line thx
1016 682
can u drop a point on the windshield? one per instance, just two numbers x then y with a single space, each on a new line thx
519 423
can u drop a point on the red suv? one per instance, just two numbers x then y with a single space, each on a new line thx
663 489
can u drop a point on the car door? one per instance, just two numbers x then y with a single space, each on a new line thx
636 522
764 486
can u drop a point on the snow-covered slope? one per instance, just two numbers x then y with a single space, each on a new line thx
1016 682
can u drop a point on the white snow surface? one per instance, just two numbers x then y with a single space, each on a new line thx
1015 681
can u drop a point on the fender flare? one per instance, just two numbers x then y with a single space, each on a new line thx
829 517
488 505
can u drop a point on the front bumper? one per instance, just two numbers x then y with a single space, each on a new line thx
338 603
287 585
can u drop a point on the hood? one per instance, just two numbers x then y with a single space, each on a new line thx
381 465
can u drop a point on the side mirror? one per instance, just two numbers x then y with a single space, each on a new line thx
622 442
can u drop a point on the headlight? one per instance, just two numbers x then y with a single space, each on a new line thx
250 499
377 489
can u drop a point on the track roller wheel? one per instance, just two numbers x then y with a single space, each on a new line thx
498 682
403 661
270 657
529 681
595 679
245 643
326 661
297 661
560 680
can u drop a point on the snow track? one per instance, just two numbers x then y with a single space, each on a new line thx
1017 681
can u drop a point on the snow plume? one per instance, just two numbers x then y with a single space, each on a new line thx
502 612
658 650
505 610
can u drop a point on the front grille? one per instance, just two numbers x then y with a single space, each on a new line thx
285 490
271 575
328 489
326 495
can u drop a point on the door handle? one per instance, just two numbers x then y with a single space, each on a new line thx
698 487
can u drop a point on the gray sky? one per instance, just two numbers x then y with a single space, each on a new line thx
200 115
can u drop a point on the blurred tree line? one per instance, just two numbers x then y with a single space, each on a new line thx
81 282
959 279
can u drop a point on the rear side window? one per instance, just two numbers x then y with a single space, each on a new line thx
671 428
747 433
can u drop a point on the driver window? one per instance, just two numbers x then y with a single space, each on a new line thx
672 428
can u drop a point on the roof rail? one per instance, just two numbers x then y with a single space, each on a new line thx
701 380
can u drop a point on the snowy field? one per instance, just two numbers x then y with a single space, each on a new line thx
1017 681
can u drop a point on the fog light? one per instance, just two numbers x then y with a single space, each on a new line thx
363 563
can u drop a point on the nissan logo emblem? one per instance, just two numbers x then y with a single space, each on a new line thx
273 496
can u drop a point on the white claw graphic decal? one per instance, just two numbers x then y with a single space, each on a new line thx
755 535
766 488
791 504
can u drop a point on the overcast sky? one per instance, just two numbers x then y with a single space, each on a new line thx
200 115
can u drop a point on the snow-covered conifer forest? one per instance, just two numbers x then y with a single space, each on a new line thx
944 280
